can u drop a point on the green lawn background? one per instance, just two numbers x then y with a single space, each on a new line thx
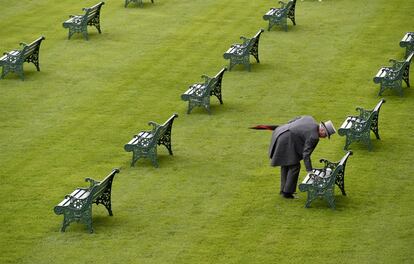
216 200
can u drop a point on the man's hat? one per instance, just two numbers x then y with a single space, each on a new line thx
329 128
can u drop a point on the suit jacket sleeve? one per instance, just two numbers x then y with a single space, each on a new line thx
310 145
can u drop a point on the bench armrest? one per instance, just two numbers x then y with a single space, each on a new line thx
328 164
206 79
363 113
154 125
91 181
23 44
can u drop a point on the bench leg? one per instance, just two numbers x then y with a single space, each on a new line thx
85 35
153 157
98 27
331 202
168 146
4 71
71 32
310 197
340 182
20 72
65 224
135 157
369 145
207 107
348 142
190 107
374 127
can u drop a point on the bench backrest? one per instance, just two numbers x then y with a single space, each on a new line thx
401 66
292 7
408 39
26 51
368 115
213 83
32 48
98 188
164 129
338 170
92 12
253 45
291 4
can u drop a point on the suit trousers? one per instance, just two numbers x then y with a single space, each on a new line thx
289 178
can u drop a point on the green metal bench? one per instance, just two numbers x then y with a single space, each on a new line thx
392 77
199 94
137 2
321 182
358 128
279 16
13 61
144 144
80 23
407 42
240 53
77 206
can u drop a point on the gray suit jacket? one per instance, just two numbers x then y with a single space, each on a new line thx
294 141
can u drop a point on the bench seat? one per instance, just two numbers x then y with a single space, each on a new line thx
144 144
80 23
357 128
321 182
240 53
12 61
391 77
279 16
77 206
199 94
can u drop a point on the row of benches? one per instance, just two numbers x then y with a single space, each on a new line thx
238 54
320 183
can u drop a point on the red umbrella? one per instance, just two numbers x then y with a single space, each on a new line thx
264 127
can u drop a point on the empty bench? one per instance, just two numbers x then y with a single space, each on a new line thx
80 23
358 128
144 144
240 53
13 61
321 182
199 94
137 2
279 16
407 42
77 206
391 77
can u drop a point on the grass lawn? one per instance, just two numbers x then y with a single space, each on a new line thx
216 200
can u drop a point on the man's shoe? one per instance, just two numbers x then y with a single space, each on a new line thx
289 195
